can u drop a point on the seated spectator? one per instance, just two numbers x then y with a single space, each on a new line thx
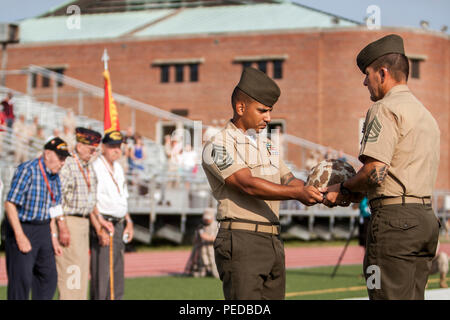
70 121
38 140
137 155
3 129
69 137
21 139
8 109
189 160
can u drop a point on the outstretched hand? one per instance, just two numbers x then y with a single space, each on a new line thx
310 195
332 197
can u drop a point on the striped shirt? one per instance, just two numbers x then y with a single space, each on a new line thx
78 197
29 191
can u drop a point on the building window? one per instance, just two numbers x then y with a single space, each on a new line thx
164 73
262 65
415 68
179 67
45 82
193 68
271 65
246 64
179 73
278 69
60 71
34 80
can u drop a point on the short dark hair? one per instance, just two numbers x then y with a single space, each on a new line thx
239 95
396 63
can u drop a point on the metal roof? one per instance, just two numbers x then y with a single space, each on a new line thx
92 26
186 21
257 17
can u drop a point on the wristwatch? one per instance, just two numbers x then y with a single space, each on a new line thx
343 190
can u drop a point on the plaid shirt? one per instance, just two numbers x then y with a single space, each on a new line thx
77 199
29 191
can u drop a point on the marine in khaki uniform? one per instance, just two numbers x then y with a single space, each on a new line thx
248 178
400 151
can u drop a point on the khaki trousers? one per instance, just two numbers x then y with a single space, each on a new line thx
73 264
401 243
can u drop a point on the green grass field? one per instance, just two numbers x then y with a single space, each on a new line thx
308 283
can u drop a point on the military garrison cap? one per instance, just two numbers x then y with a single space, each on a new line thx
259 86
389 44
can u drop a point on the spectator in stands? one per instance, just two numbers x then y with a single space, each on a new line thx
138 154
2 129
328 154
212 130
70 121
128 144
175 160
32 128
68 136
311 161
21 139
167 146
129 137
341 156
189 160
201 262
55 133
38 140
8 109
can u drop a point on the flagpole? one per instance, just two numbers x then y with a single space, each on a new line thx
105 59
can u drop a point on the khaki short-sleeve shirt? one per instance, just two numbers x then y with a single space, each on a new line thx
400 132
230 151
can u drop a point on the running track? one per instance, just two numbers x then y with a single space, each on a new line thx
162 263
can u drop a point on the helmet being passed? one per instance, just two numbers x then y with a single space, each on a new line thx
329 172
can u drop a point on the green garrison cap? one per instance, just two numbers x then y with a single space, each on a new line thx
259 86
389 44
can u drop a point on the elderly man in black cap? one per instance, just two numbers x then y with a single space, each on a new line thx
112 219
400 151
248 178
32 204
79 196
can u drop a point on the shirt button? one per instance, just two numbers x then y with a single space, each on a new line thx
406 225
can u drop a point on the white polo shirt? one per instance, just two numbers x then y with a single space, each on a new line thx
112 191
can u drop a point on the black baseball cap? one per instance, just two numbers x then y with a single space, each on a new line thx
59 146
113 138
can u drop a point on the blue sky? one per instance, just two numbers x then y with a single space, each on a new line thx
406 13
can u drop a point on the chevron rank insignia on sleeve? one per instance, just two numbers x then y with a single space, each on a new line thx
373 130
221 157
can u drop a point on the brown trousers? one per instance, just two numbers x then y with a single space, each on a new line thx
251 265
73 264
401 243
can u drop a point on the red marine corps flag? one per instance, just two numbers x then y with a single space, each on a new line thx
111 117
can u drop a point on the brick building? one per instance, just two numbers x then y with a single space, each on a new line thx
186 58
